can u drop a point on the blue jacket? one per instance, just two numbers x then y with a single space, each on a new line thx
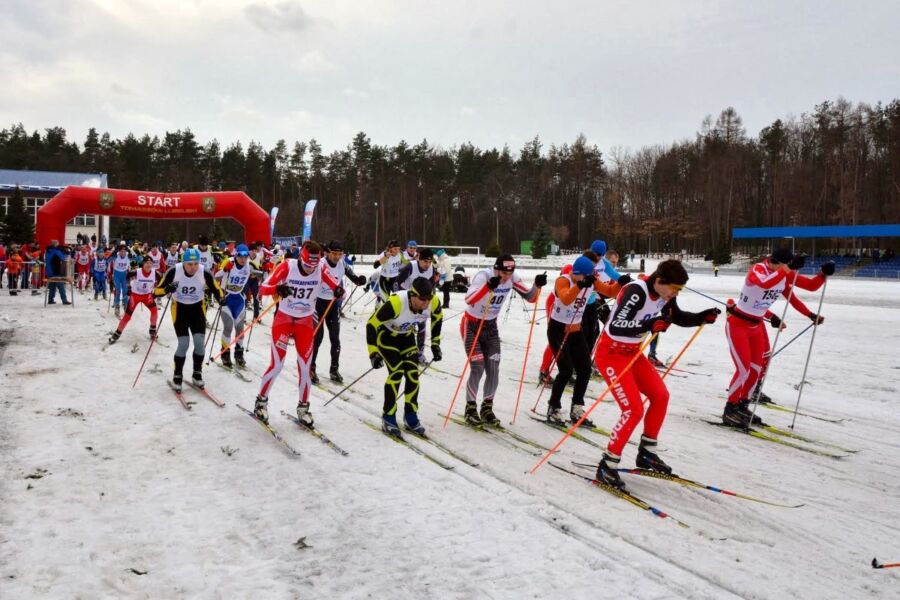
55 262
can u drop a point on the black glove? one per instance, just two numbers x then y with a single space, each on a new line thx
710 315
775 322
587 282
436 354
376 360
540 280
284 290
624 280
797 262
171 287
221 300
338 292
817 319
828 268
493 282
604 313
658 324
359 280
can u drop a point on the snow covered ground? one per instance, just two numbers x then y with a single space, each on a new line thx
112 492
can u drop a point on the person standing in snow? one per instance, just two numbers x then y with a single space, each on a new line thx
142 285
445 273
232 276
745 327
645 306
420 267
388 265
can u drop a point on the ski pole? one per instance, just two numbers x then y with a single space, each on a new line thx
706 296
348 386
577 424
212 334
683 350
527 349
558 352
878 565
469 356
152 341
809 353
765 374
322 319
791 341
246 329
356 287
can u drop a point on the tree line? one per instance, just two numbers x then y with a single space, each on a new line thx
839 163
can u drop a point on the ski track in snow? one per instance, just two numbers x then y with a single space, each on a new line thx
127 479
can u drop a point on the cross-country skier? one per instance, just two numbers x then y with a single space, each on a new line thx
390 335
142 285
647 305
389 263
487 292
189 283
410 253
99 268
233 276
745 327
83 266
338 268
120 264
565 338
298 282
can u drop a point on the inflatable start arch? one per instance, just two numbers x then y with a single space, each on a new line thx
75 200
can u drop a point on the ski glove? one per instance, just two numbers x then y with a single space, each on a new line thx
540 280
709 315
624 280
436 354
376 360
658 324
797 262
284 290
587 282
359 280
828 268
493 282
170 288
775 322
338 292
817 319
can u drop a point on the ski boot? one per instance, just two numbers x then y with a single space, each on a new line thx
412 422
261 409
389 426
303 414
312 376
745 407
471 415
545 378
114 337
197 380
554 416
576 413
239 357
487 414
733 416
607 471
335 375
104 295
226 359
647 457
96 295
763 398
655 361
176 382
152 332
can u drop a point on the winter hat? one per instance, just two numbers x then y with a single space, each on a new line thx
422 288
782 256
439 252
506 263
426 254
334 246
599 246
411 244
242 250
583 266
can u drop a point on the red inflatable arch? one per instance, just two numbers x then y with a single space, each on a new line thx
75 200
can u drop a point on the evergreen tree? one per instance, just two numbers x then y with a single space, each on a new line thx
540 243
493 250
349 242
18 225
448 238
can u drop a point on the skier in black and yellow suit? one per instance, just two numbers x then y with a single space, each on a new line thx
391 336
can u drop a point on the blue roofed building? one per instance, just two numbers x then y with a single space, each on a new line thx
40 186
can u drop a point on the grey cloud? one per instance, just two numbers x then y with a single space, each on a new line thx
287 16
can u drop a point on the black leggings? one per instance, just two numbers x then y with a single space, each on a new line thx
333 322
575 356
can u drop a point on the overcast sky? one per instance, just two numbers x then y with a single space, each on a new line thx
626 73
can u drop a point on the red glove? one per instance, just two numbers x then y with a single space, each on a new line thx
658 324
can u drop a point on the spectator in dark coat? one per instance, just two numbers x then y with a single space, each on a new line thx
55 266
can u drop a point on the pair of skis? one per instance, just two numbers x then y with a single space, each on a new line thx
276 435
179 394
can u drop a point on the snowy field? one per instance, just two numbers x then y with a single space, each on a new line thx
112 492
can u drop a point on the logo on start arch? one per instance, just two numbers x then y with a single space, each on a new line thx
209 204
106 200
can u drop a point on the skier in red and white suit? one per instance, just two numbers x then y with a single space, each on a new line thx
83 265
645 306
298 283
142 284
745 327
